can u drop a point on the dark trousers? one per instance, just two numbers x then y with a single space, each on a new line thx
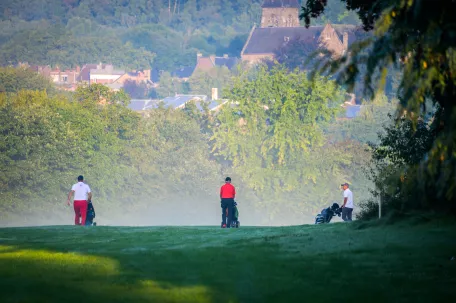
227 207
347 214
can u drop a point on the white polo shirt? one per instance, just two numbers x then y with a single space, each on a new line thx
349 195
81 191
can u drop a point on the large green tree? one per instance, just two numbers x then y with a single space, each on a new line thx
272 137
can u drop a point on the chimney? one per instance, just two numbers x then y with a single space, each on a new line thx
345 41
214 93
225 55
198 55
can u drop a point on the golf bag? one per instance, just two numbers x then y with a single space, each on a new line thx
328 213
235 223
90 215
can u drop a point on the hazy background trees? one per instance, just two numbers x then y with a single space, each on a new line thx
282 143
163 34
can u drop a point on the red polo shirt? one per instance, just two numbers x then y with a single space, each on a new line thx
227 191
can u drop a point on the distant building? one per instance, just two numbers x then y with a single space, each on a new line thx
139 77
58 76
45 71
104 74
280 25
84 75
68 76
208 63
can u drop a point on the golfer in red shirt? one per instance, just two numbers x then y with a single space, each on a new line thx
227 194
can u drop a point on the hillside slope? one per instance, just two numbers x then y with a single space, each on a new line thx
344 262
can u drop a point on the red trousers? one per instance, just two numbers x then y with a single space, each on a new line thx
80 210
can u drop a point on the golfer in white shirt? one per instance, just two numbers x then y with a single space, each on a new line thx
347 206
82 195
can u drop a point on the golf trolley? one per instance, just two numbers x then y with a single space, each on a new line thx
235 222
90 215
328 213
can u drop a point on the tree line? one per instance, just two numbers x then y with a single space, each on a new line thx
274 142
162 34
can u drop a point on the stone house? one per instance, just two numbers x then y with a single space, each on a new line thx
280 25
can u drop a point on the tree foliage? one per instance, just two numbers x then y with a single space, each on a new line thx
145 163
416 37
202 82
15 79
272 137
395 161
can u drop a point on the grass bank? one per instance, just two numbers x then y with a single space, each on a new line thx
343 262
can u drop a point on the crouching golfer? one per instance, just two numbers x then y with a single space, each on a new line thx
227 194
82 195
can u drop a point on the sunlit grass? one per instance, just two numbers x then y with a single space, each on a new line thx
94 276
49 262
398 263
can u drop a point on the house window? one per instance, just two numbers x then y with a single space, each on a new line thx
65 78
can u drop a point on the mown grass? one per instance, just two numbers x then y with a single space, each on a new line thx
343 262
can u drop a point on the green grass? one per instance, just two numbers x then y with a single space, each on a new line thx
338 262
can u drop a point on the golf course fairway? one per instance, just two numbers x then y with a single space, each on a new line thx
357 262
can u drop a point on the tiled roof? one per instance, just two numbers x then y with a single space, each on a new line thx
204 63
267 40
